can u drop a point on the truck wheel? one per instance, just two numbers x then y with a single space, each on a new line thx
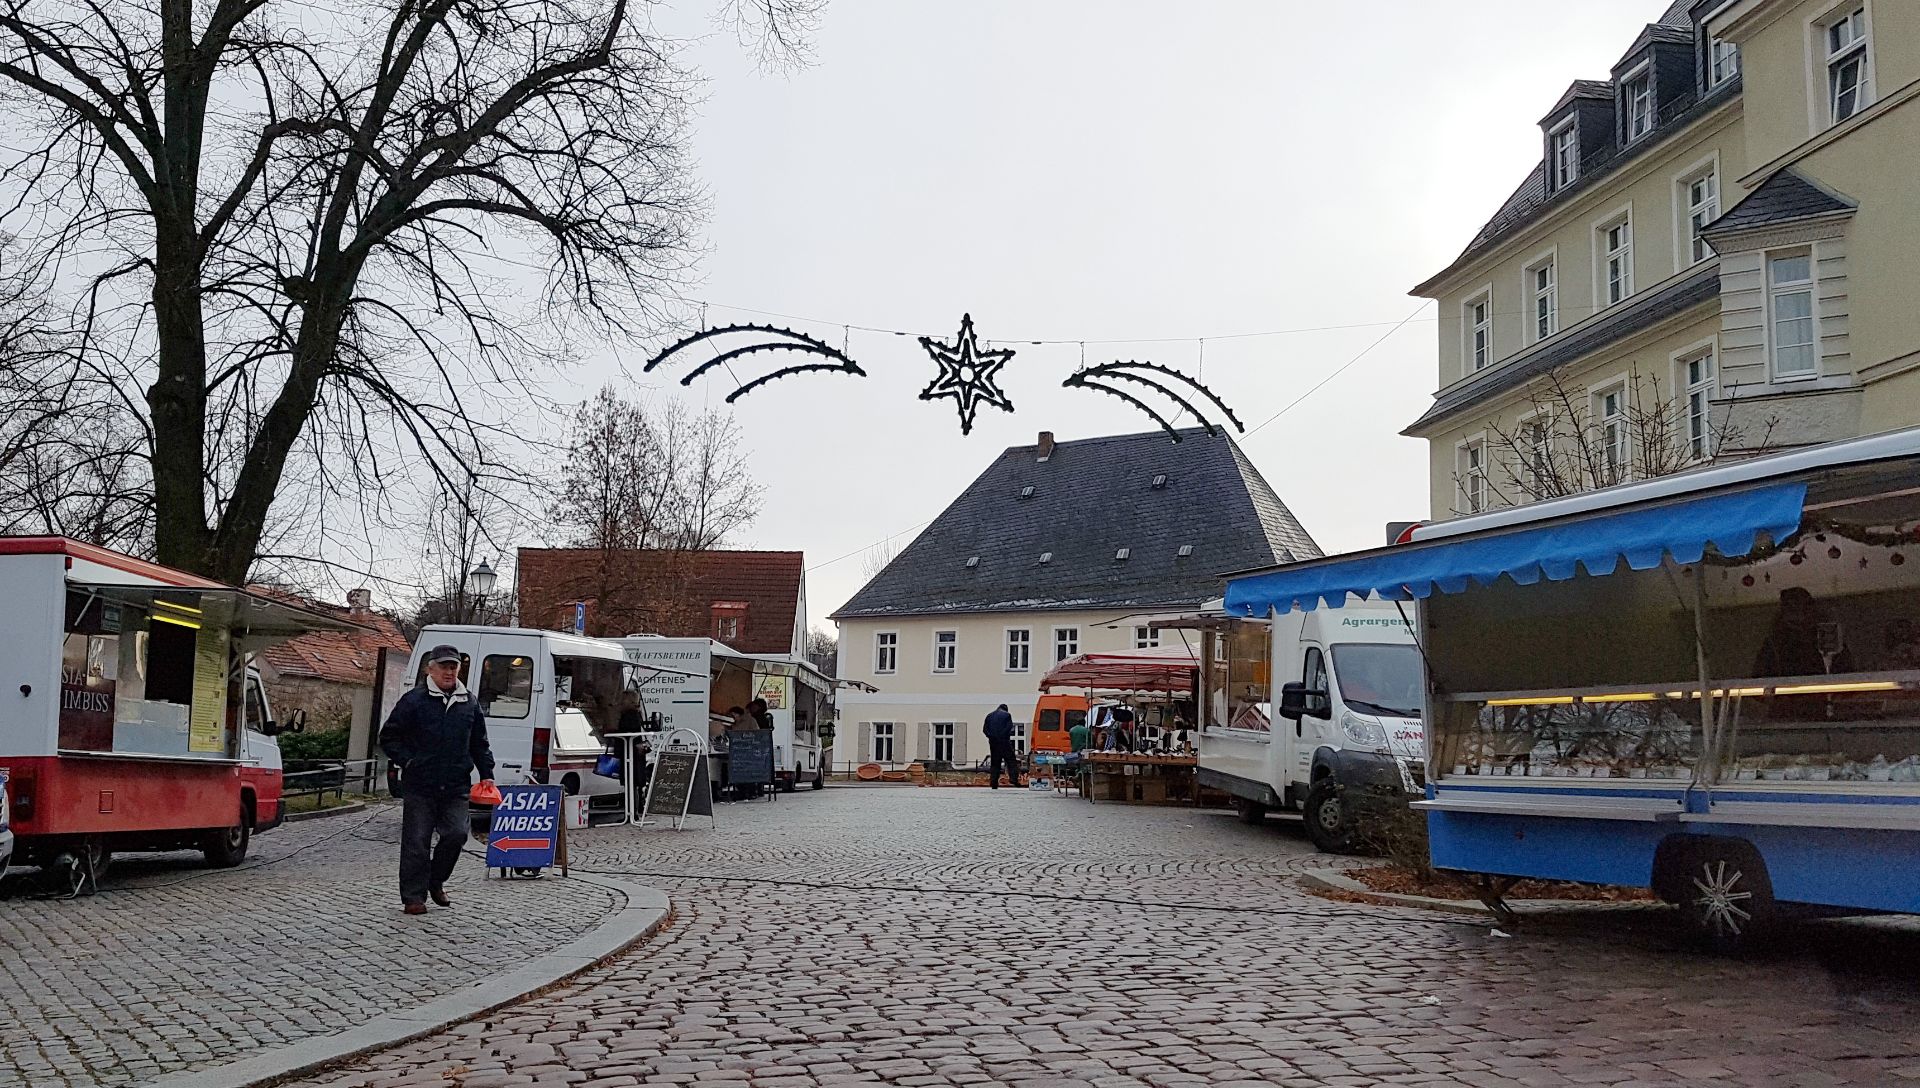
1328 823
1251 812
1726 895
820 779
227 847
788 785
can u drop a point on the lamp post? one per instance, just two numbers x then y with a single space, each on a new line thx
480 583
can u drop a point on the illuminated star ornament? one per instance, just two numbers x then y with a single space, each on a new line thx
966 373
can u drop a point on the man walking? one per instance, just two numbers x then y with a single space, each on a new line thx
999 731
437 737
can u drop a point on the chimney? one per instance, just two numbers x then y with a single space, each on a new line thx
359 602
1046 445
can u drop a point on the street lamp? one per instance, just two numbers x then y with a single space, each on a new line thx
480 583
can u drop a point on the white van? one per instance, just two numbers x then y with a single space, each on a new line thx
1347 734
547 697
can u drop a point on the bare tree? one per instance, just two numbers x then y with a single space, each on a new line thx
288 224
876 559
823 651
1566 442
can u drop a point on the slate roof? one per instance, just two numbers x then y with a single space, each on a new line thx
663 592
1640 312
1782 198
1531 197
337 657
1581 88
1091 498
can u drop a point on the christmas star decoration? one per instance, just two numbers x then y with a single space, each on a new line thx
966 373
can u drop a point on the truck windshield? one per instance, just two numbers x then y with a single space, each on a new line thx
1379 678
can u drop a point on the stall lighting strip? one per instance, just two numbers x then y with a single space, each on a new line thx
178 607
177 622
1718 693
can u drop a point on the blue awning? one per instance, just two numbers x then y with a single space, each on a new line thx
1643 537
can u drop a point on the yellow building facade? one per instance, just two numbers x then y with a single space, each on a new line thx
1711 259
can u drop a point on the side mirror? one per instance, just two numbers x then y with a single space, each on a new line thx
1293 700
296 721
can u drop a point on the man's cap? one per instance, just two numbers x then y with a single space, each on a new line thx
441 653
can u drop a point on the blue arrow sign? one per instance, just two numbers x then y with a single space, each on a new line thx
526 828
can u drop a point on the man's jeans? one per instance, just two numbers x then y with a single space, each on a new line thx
425 865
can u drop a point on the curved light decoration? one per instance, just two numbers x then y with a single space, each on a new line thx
776 339
1158 378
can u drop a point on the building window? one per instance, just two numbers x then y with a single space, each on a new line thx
1479 318
1696 375
1790 315
1146 638
1020 735
1703 207
1564 155
1066 643
727 629
1473 477
1616 262
1543 281
1019 650
883 742
1849 78
943 741
1723 62
886 651
1637 92
946 650
1610 408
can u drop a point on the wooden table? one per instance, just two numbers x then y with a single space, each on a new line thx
1152 780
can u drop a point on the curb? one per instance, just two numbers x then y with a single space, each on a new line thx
1337 882
646 912
320 814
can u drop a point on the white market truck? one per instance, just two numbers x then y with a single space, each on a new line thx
694 682
1345 741
134 721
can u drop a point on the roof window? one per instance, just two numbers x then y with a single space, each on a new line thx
1121 555
1027 492
1046 557
1160 481
1185 551
973 561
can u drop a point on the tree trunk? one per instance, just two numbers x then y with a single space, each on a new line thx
178 403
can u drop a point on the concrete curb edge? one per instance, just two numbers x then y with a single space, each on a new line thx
646 912
347 809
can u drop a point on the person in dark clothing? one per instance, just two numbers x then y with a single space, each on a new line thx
757 710
1793 648
437 736
999 731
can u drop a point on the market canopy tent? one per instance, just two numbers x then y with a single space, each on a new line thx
1644 536
1167 670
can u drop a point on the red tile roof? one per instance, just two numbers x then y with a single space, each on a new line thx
340 657
672 593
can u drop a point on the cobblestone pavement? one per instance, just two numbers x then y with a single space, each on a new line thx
934 937
175 966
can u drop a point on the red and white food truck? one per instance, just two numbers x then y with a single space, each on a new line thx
129 718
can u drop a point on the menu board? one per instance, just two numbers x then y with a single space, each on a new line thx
207 725
679 784
749 757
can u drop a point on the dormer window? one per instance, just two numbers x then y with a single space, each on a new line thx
1636 91
1564 155
1723 62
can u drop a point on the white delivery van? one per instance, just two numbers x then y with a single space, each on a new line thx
1346 735
548 698
694 682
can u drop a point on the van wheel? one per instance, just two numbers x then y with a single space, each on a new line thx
227 847
820 779
1725 894
1251 812
1329 824
571 784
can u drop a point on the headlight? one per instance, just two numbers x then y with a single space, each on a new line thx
1363 731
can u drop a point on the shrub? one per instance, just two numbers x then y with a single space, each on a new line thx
331 744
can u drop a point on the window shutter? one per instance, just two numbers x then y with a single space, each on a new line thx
865 752
925 751
959 742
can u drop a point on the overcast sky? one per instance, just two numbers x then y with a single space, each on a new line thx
1104 170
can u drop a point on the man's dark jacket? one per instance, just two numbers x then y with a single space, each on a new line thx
999 726
436 743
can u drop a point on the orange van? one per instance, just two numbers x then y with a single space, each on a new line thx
1053 716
